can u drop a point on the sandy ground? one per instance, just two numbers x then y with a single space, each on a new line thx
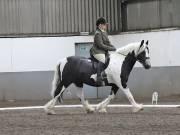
74 121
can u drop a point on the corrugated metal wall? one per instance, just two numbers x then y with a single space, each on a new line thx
150 14
56 16
66 17
20 16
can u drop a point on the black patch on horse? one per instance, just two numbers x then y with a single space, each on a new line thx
78 70
127 67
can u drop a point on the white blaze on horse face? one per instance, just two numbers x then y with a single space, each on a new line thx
147 52
147 56
141 49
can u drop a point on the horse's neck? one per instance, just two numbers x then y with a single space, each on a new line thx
125 50
127 62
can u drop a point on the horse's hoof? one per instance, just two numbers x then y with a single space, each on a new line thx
103 110
52 112
99 107
137 108
90 110
49 112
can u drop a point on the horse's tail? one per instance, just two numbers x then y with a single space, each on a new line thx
56 81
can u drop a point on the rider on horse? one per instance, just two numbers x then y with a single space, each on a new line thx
101 46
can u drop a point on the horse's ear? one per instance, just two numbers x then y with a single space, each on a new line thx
140 47
142 42
147 42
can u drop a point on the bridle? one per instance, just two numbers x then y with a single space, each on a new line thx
140 60
122 54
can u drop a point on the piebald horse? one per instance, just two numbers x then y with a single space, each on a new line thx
79 70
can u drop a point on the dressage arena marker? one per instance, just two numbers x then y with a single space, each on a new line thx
78 106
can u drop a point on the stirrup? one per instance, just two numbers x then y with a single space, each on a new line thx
103 75
100 81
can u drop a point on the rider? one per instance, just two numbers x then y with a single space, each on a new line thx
101 46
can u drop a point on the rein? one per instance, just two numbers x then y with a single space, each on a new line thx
122 54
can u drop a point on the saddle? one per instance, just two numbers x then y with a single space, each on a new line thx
95 61
104 66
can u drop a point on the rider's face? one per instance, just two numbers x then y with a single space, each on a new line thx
103 27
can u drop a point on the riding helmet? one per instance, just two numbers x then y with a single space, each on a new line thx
101 20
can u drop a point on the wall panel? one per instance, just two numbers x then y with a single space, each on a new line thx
151 14
44 17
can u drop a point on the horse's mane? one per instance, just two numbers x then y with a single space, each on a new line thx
128 48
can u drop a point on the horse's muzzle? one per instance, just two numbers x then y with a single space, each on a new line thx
147 64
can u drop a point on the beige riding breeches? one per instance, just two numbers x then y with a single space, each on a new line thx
100 57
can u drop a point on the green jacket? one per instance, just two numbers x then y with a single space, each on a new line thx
101 43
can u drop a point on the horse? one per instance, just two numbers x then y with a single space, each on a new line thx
80 70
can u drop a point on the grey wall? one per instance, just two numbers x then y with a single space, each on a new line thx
30 63
25 85
150 14
41 17
37 85
164 80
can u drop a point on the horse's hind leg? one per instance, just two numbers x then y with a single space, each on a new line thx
50 105
57 90
86 105
101 107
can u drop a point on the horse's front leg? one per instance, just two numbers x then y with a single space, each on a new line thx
136 107
101 107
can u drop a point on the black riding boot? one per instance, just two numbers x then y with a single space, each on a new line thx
100 68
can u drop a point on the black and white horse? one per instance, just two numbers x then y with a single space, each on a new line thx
79 70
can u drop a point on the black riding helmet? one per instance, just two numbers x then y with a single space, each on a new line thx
101 20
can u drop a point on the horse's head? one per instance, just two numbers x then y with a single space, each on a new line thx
140 51
142 54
